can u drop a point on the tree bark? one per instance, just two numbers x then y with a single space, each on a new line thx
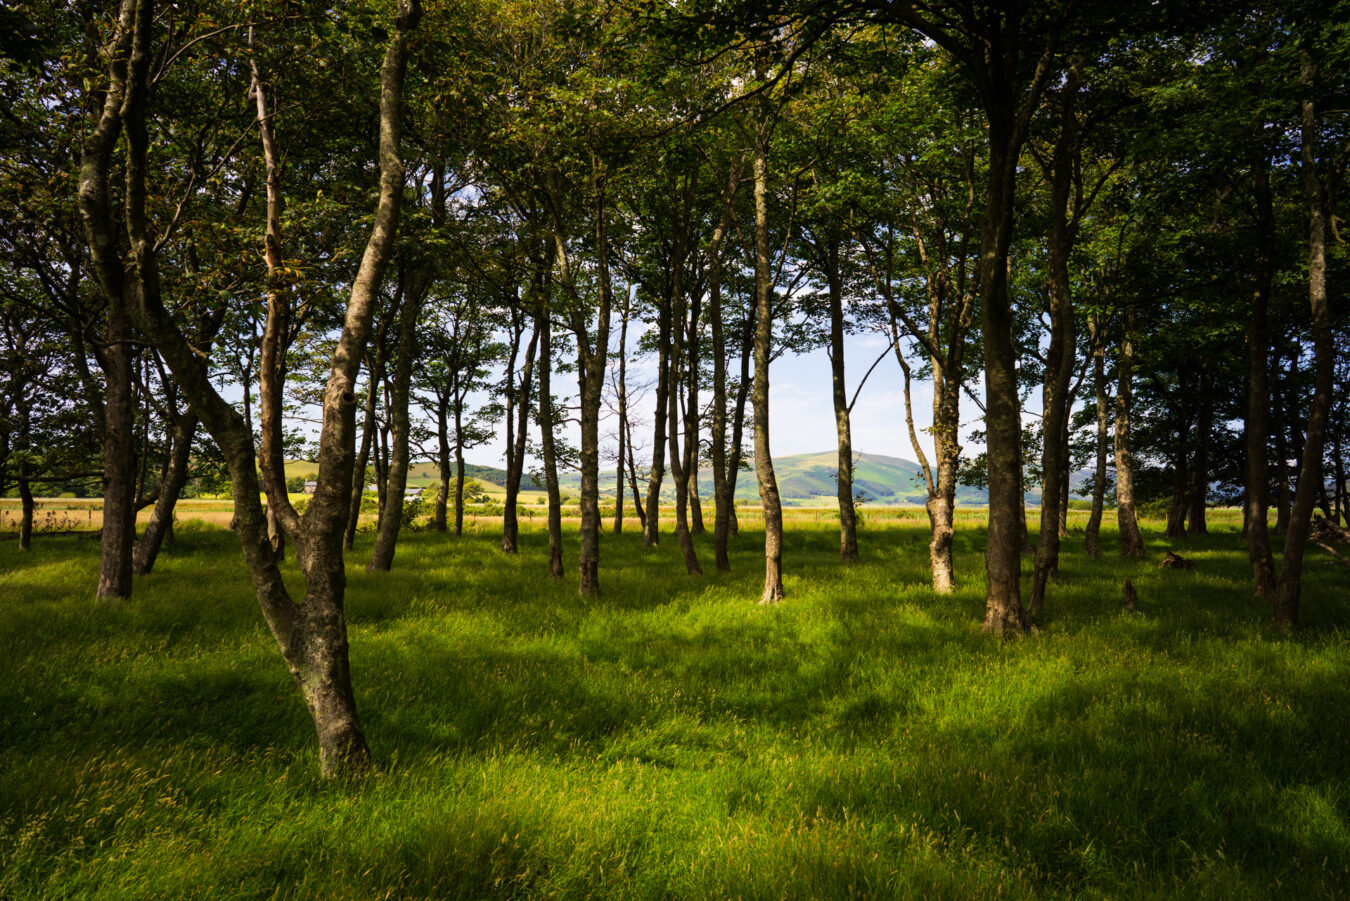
410 312
1318 198
1059 358
848 520
764 473
358 491
1091 536
515 452
623 420
547 424
1257 427
312 634
679 469
1131 543
172 479
1199 495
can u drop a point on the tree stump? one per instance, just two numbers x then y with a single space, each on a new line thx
1175 561
1131 598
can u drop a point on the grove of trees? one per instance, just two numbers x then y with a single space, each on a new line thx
234 234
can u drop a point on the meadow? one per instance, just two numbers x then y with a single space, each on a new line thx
674 739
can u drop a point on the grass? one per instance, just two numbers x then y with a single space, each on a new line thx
674 739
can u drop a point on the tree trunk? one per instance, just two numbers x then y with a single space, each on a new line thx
592 360
848 521
311 635
358 492
459 465
1091 537
515 453
764 473
547 424
26 500
172 480
438 517
1059 358
651 523
1003 603
1200 464
1177 503
410 312
1289 586
1131 543
119 463
679 468
623 420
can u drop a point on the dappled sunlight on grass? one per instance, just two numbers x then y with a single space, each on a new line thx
673 738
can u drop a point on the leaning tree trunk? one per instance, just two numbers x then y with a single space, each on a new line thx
172 480
312 634
1131 543
1257 426
764 473
1289 586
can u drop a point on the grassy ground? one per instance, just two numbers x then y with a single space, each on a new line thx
675 739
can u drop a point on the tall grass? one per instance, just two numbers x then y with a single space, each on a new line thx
674 739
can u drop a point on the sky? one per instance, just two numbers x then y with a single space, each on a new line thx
800 407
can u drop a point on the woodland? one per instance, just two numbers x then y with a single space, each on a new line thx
272 273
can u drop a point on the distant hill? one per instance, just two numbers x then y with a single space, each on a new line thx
803 480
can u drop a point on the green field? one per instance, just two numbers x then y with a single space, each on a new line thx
675 739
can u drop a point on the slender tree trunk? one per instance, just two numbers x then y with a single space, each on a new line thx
172 480
515 462
459 464
652 521
386 538
679 469
696 523
848 521
1177 503
547 423
358 491
1131 543
722 501
1289 586
26 500
623 420
1200 465
1092 534
438 517
738 423
592 360
1059 360
764 473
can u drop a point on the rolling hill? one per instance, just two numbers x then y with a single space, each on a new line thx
803 480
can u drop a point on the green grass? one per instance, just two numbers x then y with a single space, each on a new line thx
675 739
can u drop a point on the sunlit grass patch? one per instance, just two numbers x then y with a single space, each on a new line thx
673 738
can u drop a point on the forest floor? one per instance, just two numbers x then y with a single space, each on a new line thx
675 739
